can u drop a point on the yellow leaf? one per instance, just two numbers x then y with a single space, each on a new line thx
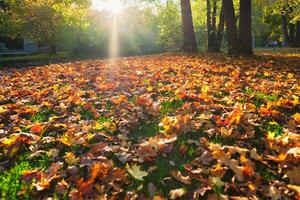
13 151
290 75
3 110
297 117
60 126
67 140
251 186
205 89
8 141
150 89
136 172
71 159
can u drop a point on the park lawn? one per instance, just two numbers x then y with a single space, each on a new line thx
162 126
33 58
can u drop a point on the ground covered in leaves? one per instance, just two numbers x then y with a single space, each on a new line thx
154 127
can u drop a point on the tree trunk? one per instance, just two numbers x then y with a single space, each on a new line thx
245 27
285 30
297 39
209 27
231 30
220 32
53 49
189 38
214 15
292 34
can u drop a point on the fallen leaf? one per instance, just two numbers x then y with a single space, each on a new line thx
136 172
177 193
294 175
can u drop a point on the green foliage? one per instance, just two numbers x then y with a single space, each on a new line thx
10 182
170 106
144 130
265 172
274 129
86 114
169 23
46 20
42 116
259 97
219 139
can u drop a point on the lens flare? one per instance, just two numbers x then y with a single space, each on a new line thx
113 6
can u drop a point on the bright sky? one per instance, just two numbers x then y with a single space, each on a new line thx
115 6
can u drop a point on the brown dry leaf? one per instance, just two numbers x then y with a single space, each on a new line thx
236 115
184 179
177 193
295 188
274 193
294 175
295 151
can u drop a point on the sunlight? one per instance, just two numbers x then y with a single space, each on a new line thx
114 6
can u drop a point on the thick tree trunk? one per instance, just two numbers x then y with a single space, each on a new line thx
292 34
245 27
285 30
189 38
220 32
297 39
231 30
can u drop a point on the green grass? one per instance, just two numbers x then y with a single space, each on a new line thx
103 123
274 129
263 171
219 139
35 57
42 116
144 130
10 181
279 50
220 94
171 106
86 114
164 167
259 98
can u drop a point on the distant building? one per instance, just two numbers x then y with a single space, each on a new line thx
18 46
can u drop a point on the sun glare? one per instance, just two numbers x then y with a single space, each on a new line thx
114 6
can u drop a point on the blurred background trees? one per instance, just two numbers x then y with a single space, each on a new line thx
154 26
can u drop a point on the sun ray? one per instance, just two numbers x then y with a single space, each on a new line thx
113 6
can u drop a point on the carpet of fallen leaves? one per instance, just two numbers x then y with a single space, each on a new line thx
154 127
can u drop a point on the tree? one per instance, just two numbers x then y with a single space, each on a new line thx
169 23
297 39
231 29
289 12
245 31
215 35
189 38
44 20
220 31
